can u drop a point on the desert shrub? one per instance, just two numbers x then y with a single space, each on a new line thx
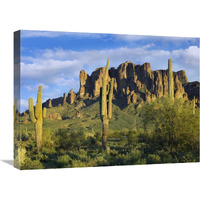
97 161
40 156
32 164
67 140
171 128
92 140
141 161
188 157
116 134
165 156
132 138
153 159
81 154
121 159
133 157
47 139
22 161
50 150
73 154
78 163
24 137
64 161
113 152
101 161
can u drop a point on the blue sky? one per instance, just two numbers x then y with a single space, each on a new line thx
54 59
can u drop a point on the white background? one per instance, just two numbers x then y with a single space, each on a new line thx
145 17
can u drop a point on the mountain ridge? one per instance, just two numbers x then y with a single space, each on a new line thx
132 84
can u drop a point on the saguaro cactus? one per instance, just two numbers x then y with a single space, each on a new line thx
170 81
106 96
37 117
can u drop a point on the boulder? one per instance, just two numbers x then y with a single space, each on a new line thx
53 116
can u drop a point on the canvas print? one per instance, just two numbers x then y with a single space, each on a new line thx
89 99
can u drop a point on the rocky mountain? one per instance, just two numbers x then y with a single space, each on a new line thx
132 84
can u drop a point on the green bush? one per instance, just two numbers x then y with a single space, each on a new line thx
32 164
153 159
64 161
172 128
78 163
67 140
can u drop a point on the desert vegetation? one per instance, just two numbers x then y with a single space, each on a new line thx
90 132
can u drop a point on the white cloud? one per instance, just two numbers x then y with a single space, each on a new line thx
34 88
58 69
23 105
189 57
61 67
48 70
188 60
50 94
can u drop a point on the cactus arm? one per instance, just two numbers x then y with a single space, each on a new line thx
38 106
37 111
108 62
44 113
39 96
106 69
31 110
103 99
108 89
110 97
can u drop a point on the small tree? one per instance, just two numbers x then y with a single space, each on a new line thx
173 127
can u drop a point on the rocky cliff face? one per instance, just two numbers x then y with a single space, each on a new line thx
133 83
192 89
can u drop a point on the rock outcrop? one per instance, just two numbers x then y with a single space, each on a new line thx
83 82
133 83
64 99
71 97
53 116
192 89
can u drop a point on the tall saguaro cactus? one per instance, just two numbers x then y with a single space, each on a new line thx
37 117
106 96
170 81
